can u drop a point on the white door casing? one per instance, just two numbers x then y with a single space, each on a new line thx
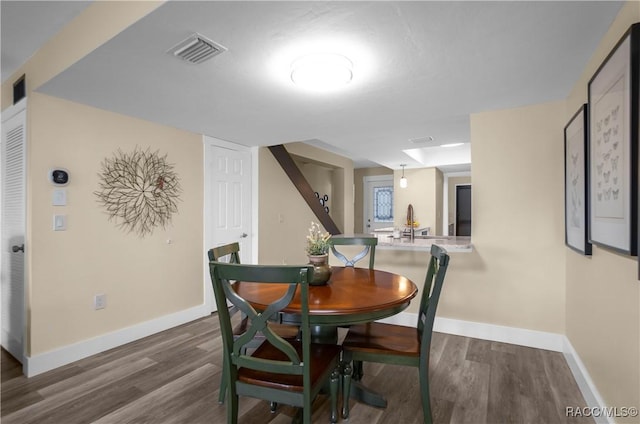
13 229
371 222
228 209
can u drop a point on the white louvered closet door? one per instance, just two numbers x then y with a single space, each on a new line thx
13 229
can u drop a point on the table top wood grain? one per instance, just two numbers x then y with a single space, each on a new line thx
352 295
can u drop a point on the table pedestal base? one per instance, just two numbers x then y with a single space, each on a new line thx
327 334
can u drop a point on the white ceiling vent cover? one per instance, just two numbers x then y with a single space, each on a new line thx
421 140
196 49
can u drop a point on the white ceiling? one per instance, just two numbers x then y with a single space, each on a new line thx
420 69
27 25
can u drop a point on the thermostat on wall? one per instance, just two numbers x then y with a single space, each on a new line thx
59 176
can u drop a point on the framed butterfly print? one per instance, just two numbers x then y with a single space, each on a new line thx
576 218
613 147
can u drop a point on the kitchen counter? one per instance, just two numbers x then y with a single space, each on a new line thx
450 243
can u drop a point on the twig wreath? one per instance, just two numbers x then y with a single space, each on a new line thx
139 190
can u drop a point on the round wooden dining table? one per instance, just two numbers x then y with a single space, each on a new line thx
351 296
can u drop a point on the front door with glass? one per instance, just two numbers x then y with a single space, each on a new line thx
378 202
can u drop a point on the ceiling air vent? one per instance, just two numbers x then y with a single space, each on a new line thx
421 140
196 49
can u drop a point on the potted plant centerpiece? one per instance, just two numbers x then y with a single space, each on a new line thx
318 253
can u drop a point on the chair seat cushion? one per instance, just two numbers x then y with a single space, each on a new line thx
375 337
323 356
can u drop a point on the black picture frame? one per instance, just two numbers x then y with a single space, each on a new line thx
613 148
576 182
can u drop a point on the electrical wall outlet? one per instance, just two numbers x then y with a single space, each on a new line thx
99 301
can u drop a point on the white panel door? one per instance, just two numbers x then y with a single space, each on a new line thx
227 201
13 230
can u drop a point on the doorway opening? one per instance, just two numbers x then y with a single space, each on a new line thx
463 210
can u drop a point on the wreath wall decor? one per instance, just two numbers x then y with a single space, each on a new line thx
139 190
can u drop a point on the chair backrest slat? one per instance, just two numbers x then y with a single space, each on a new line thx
431 293
369 243
295 279
232 250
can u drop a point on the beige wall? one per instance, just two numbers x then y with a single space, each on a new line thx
342 183
142 278
284 215
320 179
603 291
422 193
358 181
515 275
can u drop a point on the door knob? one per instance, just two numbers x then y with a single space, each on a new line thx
17 248
244 235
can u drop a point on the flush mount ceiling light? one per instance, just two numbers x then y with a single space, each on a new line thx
322 71
451 145
403 180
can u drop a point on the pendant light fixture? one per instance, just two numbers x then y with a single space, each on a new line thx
403 180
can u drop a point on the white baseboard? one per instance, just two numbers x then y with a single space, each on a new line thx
499 333
479 330
522 337
37 364
587 387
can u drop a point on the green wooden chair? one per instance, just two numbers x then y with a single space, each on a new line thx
399 345
369 243
284 371
230 253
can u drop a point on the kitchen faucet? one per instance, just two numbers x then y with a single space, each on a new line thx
410 222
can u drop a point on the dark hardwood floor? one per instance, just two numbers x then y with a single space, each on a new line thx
173 377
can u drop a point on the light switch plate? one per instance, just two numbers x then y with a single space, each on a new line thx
60 197
59 222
